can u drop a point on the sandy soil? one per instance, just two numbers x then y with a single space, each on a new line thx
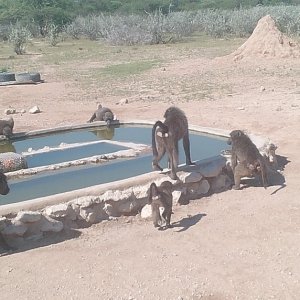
233 245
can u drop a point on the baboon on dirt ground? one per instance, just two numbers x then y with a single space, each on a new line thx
6 126
165 137
4 189
161 201
246 159
102 114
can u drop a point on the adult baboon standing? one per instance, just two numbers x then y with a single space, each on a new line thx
165 137
246 159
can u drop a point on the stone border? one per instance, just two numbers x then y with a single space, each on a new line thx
32 133
133 150
30 220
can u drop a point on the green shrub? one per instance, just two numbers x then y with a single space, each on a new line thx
19 36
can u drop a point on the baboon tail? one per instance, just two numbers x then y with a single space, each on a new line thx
152 192
165 130
263 174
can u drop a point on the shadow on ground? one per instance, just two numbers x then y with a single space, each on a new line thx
50 239
188 222
275 177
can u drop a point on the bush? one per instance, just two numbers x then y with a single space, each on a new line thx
157 27
19 36
53 32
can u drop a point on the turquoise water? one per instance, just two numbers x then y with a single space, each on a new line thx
45 184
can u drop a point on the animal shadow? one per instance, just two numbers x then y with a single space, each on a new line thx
187 222
50 239
275 177
282 161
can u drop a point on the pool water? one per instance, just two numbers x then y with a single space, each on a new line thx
63 180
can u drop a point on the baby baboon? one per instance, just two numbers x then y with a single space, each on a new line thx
246 160
165 137
102 114
161 201
4 189
6 127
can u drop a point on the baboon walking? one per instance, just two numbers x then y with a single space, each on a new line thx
4 189
6 126
102 114
165 137
161 201
246 159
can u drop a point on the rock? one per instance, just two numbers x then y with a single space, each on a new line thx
146 211
60 211
123 101
88 215
10 161
127 207
49 224
93 214
16 228
262 88
9 111
187 177
28 216
14 241
141 191
23 111
85 201
197 189
34 110
34 238
2 223
220 183
109 210
179 196
212 168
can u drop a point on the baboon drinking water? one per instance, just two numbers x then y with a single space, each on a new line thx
6 126
161 201
102 114
165 137
246 159
4 189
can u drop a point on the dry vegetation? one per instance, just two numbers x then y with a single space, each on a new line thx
234 245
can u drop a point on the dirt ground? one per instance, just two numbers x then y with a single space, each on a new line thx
233 245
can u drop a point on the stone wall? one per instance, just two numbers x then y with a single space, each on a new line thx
195 182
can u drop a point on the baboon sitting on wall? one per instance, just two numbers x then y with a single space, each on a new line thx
161 201
4 189
102 114
165 137
6 126
246 159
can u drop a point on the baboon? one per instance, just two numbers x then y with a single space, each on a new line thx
246 159
165 138
105 133
161 201
102 114
4 189
270 156
6 127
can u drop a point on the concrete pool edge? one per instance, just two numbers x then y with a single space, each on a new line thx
30 220
27 221
261 143
57 129
95 190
